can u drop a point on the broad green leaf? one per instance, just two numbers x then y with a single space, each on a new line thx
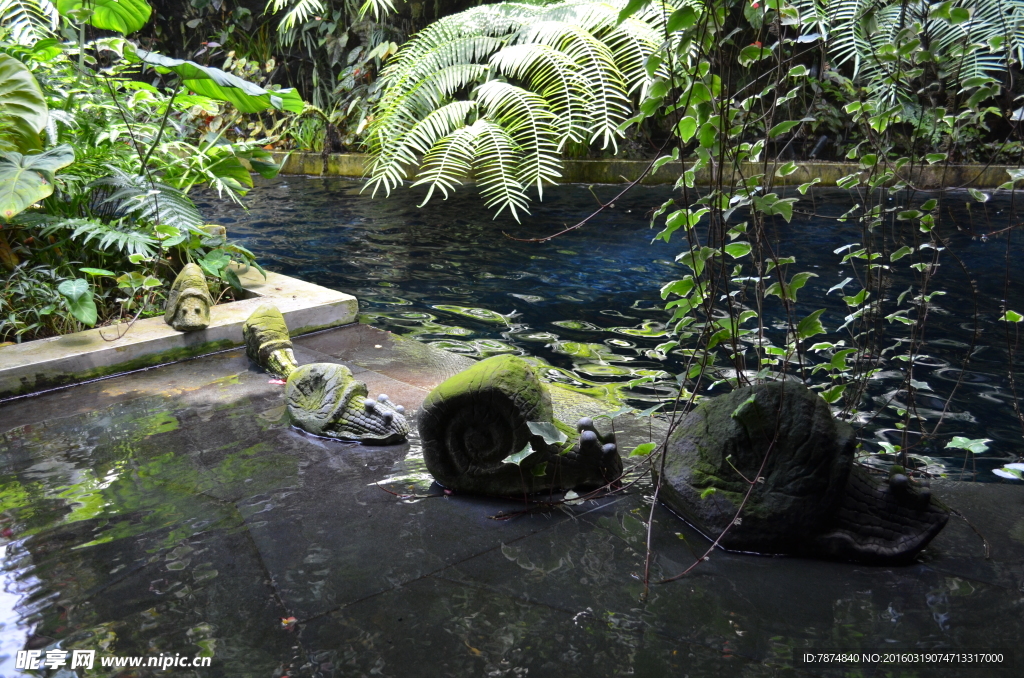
833 393
811 325
678 287
681 19
975 445
782 128
752 53
518 457
1012 317
97 271
123 16
798 71
933 158
27 179
547 431
83 309
540 469
978 195
643 450
738 249
1011 471
959 15
900 253
21 100
686 128
787 169
708 135
631 8
219 85
73 289
803 188
789 290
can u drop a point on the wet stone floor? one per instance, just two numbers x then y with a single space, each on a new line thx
174 511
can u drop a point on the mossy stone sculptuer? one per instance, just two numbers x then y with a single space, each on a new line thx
326 400
188 304
267 342
473 422
808 497
321 398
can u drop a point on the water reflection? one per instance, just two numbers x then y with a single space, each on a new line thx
588 303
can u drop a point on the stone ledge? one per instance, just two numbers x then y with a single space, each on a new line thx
624 171
47 363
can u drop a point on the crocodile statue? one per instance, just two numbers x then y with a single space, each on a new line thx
321 398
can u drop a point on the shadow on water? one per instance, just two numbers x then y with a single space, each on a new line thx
175 512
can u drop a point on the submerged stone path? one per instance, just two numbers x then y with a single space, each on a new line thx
175 510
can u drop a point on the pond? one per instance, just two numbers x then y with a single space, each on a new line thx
588 302
174 513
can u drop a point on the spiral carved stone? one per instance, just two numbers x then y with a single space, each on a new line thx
326 400
812 500
473 421
267 342
188 304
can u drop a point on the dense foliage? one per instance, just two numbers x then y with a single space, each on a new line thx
101 142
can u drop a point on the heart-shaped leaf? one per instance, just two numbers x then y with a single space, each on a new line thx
27 179
73 289
123 16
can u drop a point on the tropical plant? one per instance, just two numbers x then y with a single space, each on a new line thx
499 91
107 199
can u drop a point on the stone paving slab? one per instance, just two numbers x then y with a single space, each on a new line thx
176 509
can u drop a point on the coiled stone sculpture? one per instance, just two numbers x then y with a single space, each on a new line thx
321 398
808 498
471 424
188 304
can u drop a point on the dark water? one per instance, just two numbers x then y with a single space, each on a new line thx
174 512
588 302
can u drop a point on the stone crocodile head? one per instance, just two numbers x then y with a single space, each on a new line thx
326 400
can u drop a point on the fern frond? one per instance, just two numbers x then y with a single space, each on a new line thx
299 13
111 238
532 77
28 21
497 156
157 203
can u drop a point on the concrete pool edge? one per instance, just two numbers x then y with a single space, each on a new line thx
57 361
928 177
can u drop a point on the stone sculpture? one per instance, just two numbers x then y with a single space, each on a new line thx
472 423
267 342
188 304
326 400
808 497
321 398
